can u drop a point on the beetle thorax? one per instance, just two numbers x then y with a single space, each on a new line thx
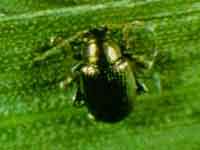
93 52
112 52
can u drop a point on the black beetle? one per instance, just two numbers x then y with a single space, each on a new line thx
106 81
105 77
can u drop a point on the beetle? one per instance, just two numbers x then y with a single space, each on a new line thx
106 81
105 77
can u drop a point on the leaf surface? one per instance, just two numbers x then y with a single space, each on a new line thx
36 115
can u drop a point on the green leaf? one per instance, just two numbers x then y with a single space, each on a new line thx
36 115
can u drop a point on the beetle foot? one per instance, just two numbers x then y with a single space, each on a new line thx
64 84
78 98
90 116
142 62
141 88
55 40
78 103
38 59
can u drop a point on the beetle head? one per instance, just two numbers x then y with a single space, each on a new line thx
97 33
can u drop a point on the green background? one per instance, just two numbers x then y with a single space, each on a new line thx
36 115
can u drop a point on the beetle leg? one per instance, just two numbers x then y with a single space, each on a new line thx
78 99
78 96
66 83
141 62
74 78
51 52
55 46
140 65
140 44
